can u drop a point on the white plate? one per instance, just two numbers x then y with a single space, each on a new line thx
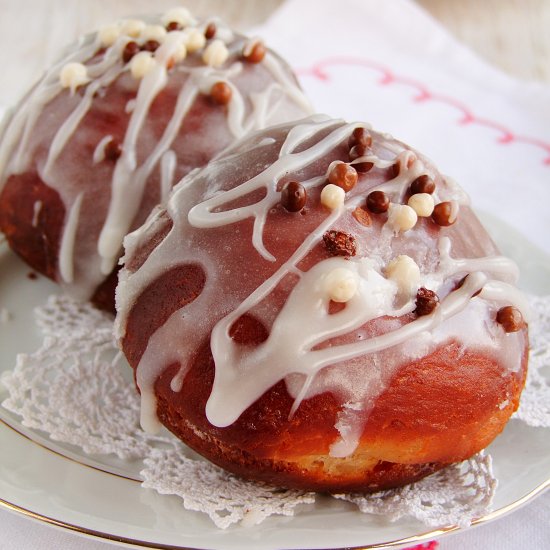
100 496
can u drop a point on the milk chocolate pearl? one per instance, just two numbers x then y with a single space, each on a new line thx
426 301
293 196
151 46
257 54
422 184
131 49
360 136
210 31
173 26
442 214
510 318
343 175
378 202
221 93
112 150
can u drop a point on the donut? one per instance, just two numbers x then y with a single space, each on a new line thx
319 308
103 136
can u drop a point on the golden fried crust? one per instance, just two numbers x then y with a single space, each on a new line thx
436 411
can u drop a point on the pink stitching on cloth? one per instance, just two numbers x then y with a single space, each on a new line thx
505 135
432 545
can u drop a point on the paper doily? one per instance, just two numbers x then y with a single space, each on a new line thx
74 388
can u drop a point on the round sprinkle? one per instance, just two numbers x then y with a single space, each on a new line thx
510 318
108 35
422 184
445 213
131 49
132 27
151 46
153 32
73 75
173 26
181 15
340 284
293 196
113 150
378 202
215 54
332 196
404 271
254 51
360 136
340 243
402 217
221 93
426 301
343 175
210 31
180 53
141 64
194 39
422 204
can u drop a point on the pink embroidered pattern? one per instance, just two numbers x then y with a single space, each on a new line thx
320 70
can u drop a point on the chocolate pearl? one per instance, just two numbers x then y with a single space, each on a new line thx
221 93
256 54
360 136
293 196
131 49
442 214
426 301
378 202
210 31
343 175
510 318
422 184
357 151
339 243
112 150
151 46
173 26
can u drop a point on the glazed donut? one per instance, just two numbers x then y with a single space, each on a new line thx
101 139
319 308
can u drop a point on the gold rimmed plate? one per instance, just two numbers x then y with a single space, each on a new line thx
99 496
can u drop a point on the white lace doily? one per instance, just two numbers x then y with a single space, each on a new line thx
74 388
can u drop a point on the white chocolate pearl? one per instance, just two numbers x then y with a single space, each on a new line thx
340 284
215 54
194 39
422 203
153 32
108 35
178 15
73 75
141 64
132 27
404 271
332 196
401 217
180 54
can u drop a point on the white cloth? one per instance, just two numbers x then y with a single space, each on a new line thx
392 65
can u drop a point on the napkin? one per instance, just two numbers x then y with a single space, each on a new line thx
391 64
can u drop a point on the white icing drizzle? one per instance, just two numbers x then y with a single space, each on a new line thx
66 250
310 348
99 151
167 168
250 108
36 209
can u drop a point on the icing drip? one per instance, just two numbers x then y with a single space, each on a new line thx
262 94
66 252
352 353
36 209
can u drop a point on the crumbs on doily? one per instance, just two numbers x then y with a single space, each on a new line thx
102 416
